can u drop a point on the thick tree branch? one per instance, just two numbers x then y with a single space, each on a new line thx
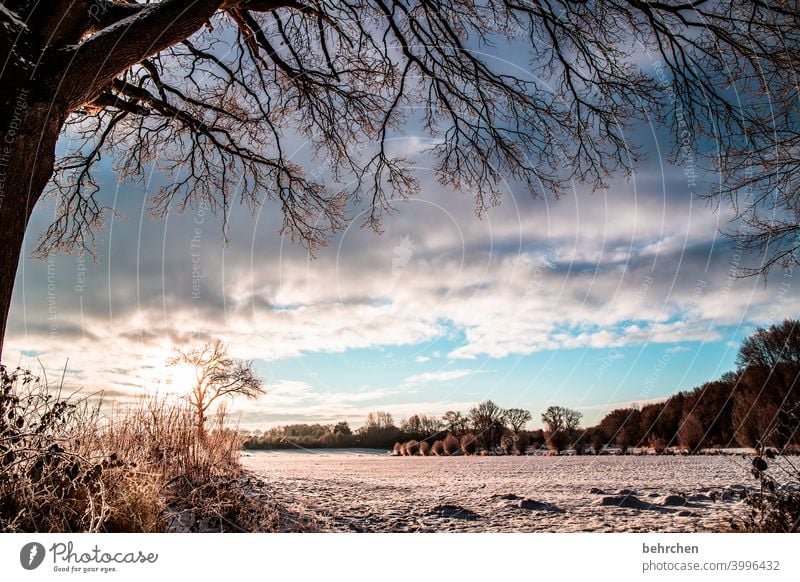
128 42
104 13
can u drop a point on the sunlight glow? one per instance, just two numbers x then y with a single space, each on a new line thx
180 378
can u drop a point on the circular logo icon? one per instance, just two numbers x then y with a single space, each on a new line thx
31 555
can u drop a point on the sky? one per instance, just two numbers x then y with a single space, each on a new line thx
595 300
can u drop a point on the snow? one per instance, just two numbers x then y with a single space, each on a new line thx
364 491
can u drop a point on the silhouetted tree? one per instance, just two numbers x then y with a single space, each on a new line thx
430 426
517 418
455 422
769 347
572 420
623 427
217 375
379 420
342 428
488 422
768 384
561 425
379 431
412 427
554 419
762 396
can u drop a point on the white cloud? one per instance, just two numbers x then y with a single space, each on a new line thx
441 376
618 268
677 349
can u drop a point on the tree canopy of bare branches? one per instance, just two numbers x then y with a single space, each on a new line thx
770 347
517 418
216 93
558 418
489 423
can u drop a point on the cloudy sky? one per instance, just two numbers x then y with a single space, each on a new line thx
593 300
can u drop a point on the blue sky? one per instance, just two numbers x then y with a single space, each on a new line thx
592 301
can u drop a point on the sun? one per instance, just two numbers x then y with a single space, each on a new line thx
181 377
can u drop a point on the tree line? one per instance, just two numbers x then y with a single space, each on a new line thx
756 405
753 406
489 425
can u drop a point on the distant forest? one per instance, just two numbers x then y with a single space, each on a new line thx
758 404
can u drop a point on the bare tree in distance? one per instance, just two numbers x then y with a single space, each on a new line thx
517 418
379 420
217 375
771 346
213 91
489 423
572 420
430 425
455 422
412 426
553 418
561 424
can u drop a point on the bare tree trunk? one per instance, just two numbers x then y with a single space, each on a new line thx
29 129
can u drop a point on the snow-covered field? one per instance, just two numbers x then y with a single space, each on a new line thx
364 491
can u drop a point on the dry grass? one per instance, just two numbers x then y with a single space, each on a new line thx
425 448
438 448
398 449
66 468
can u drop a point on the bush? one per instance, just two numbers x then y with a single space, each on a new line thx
579 446
411 448
658 444
53 477
451 445
438 448
65 468
537 438
557 441
775 506
397 450
691 433
507 444
424 448
520 444
596 438
469 444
